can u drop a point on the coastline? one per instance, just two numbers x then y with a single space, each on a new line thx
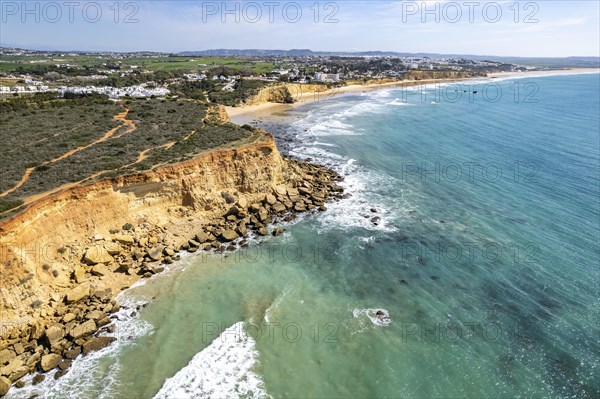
75 310
248 113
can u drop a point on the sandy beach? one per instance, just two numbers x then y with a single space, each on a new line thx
247 114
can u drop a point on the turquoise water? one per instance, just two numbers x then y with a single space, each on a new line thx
483 263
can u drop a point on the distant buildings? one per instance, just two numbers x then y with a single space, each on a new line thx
327 77
141 90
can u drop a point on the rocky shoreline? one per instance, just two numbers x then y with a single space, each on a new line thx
81 320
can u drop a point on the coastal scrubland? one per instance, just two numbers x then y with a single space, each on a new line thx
50 142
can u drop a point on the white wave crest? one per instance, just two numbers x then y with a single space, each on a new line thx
224 369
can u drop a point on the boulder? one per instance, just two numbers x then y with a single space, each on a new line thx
97 343
59 374
65 364
234 210
54 334
103 296
229 235
78 293
79 274
68 317
270 199
38 378
18 373
82 329
280 190
4 385
50 361
154 267
113 248
242 203
100 270
97 254
95 315
169 252
11 367
155 253
263 215
123 239
6 355
278 231
304 190
18 347
241 229
279 207
263 231
201 237
255 207
299 207
73 353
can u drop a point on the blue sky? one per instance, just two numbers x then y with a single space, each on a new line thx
524 28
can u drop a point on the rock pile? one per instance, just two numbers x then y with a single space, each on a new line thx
80 321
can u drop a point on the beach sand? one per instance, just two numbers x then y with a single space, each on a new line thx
275 111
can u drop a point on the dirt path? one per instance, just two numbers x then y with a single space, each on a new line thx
121 117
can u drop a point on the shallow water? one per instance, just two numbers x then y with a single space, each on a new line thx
489 276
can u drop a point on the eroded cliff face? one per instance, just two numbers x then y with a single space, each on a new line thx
284 93
42 247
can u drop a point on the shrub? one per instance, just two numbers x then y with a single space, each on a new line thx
127 226
36 304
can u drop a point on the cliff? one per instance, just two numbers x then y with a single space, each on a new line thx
66 256
284 93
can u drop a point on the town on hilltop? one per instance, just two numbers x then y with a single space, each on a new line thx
148 74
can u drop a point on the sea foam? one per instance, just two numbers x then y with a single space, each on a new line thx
224 369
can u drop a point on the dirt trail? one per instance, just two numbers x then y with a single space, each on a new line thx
144 154
121 117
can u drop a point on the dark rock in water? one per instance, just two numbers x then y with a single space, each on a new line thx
435 278
97 343
38 378
20 384
376 220
278 231
420 260
59 374
373 210
65 364
442 221
404 282
73 353
290 217
380 313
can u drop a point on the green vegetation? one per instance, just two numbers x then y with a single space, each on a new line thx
38 130
86 65
9 204
213 90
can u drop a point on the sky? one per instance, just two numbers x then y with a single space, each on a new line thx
543 28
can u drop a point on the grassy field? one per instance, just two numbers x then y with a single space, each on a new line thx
37 134
192 64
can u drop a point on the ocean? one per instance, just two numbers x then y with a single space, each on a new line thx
465 262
